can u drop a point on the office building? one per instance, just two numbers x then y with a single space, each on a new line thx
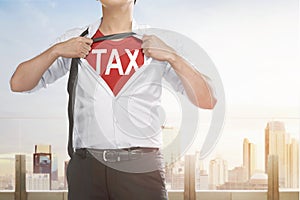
249 158
42 161
38 181
202 181
275 144
218 173
292 159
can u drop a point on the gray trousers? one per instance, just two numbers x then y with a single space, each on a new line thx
91 179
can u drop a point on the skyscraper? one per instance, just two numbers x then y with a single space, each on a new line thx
275 144
54 172
42 160
218 172
249 158
54 168
292 157
273 177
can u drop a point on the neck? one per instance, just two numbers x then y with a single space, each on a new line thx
116 19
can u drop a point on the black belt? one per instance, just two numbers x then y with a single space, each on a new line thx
115 155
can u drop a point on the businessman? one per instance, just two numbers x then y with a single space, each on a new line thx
117 86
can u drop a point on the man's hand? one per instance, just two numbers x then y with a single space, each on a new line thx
78 47
155 48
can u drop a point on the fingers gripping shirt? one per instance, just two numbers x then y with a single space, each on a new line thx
116 106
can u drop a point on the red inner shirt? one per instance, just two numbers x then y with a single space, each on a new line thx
117 75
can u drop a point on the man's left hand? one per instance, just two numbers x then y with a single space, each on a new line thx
155 48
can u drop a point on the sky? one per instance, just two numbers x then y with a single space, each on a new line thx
253 44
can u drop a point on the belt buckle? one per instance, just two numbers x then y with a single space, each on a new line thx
135 154
114 156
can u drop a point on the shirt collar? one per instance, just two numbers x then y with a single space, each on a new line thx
95 26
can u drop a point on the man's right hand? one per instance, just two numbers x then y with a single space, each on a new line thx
78 47
28 73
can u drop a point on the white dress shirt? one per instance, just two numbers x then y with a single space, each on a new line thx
105 121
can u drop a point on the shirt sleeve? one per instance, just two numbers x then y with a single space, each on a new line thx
174 80
60 66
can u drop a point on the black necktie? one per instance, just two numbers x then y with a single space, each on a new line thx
73 81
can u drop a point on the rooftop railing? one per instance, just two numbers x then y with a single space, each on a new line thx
189 192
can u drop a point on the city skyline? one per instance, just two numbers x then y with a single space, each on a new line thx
277 143
218 171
